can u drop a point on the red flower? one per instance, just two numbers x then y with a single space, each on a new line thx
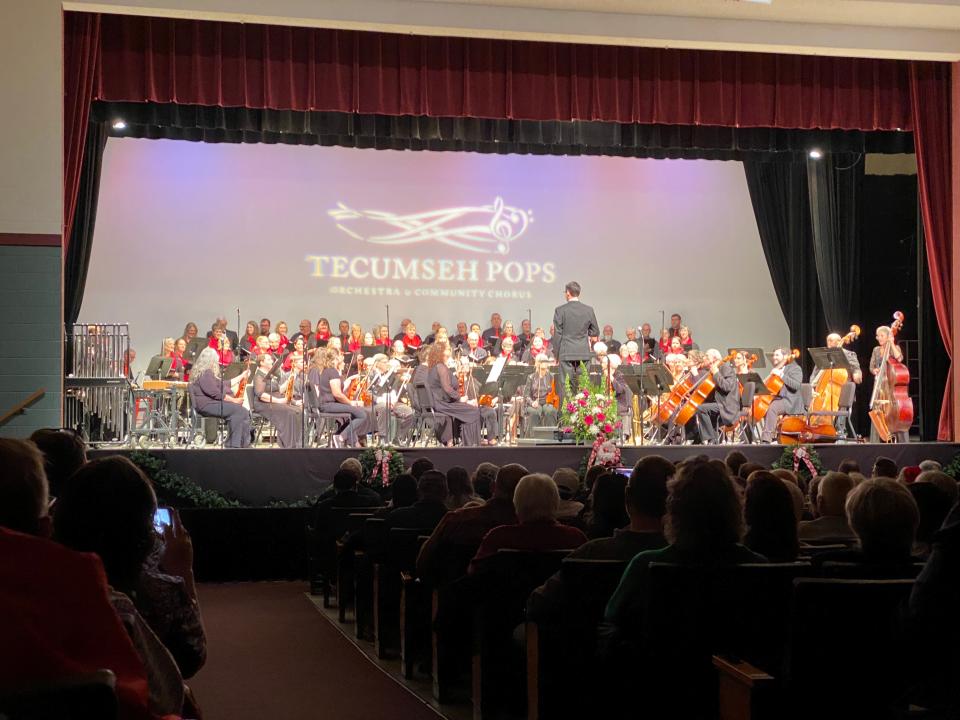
583 402
608 428
588 419
601 417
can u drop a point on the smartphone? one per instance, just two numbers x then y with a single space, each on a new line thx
625 471
162 519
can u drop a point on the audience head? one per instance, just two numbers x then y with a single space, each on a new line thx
536 498
646 493
420 466
703 510
567 482
24 495
884 516
933 506
930 465
848 466
64 452
943 481
770 516
432 485
593 472
796 497
609 509
884 467
484 478
403 490
107 508
458 482
734 460
832 494
344 479
353 465
745 471
505 486
908 474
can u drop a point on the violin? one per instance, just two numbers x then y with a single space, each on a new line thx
761 403
891 408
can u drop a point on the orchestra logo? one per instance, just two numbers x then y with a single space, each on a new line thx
485 229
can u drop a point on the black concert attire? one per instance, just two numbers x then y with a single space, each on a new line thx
490 336
329 404
725 405
535 391
475 356
207 393
574 323
488 414
380 388
613 346
788 402
287 419
624 397
446 401
458 340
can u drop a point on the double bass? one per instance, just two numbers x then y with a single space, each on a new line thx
891 408
761 403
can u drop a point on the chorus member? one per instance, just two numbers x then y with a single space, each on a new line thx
460 338
506 349
574 324
273 340
179 350
607 338
263 345
189 332
221 322
296 351
686 340
676 322
507 332
492 333
645 335
526 335
537 411
403 329
355 340
447 399
250 334
213 396
398 351
411 341
600 350
383 337
535 351
442 336
270 400
343 332
725 407
322 335
221 343
788 401
305 331
475 327
179 366
265 326
835 340
386 399
664 344
282 330
631 333
368 340
431 338
624 354
677 364
885 337
634 357
324 376
474 352
129 357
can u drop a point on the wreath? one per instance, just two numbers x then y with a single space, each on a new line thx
380 465
801 459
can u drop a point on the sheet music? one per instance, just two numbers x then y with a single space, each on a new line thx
496 369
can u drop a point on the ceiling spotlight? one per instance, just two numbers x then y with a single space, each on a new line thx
119 125
816 154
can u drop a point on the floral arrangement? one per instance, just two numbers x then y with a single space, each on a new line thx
801 459
605 453
590 414
380 464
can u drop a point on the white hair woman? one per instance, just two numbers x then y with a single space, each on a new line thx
536 500
212 396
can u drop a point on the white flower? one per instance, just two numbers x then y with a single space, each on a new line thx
593 429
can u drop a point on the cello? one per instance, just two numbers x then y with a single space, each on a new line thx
891 408
826 395
761 403
698 394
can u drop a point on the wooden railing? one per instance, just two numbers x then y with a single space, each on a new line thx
21 407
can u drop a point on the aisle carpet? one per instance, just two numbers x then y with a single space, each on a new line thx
271 654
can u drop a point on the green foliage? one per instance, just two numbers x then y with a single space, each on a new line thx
787 458
952 468
176 490
371 460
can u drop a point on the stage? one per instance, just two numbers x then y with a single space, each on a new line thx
258 476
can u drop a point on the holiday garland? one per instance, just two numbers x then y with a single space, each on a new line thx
801 459
175 489
380 465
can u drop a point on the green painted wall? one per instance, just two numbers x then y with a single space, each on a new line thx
30 343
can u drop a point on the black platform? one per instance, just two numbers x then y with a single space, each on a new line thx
258 476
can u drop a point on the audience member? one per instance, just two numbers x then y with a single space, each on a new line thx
607 510
703 525
768 511
830 524
64 452
371 497
568 483
483 479
459 488
848 466
933 505
347 495
908 474
884 467
942 481
445 555
403 492
429 508
930 465
537 501
591 476
733 461
419 466
745 471
107 508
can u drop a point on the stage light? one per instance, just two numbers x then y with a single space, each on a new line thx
816 154
119 125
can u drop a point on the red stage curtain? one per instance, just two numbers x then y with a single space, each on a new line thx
81 51
283 68
930 96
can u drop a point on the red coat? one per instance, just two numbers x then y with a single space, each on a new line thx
412 342
539 535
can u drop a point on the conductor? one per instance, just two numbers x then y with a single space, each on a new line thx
574 324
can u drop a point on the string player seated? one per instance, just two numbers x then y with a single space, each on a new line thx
387 400
270 400
536 410
213 396
788 400
325 377
447 399
725 406
488 412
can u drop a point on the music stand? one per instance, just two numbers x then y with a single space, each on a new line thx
194 348
828 359
368 351
759 386
657 381
233 369
747 352
159 367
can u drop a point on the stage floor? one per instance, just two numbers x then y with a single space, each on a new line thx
260 475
